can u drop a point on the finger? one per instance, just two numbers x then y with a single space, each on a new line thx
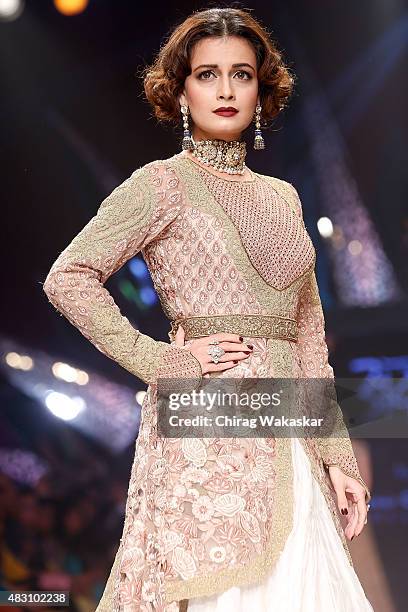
362 514
350 514
224 337
221 366
232 356
351 525
179 337
349 529
342 503
234 346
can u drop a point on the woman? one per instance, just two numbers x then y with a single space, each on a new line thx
214 523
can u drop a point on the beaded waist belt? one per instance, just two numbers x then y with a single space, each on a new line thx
268 326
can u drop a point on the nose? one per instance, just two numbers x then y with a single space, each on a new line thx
225 90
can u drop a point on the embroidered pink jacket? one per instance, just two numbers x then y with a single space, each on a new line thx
202 514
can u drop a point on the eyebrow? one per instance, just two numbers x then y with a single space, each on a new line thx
216 66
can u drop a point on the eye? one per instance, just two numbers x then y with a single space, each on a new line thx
244 72
205 72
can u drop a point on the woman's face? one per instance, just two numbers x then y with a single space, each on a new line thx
223 74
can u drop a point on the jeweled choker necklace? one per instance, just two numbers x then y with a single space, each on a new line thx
222 155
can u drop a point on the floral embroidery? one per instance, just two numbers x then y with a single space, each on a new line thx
217 554
201 515
203 508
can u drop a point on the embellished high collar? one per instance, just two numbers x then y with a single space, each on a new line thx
222 155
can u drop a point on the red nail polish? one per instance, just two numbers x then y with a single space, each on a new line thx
251 346
235 361
241 338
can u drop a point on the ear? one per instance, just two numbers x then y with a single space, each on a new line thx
182 99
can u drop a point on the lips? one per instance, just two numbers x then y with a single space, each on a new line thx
226 111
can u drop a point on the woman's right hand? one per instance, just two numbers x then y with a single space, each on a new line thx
235 350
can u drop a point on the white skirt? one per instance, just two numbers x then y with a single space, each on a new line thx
313 573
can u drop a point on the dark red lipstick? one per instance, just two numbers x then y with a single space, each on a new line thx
226 111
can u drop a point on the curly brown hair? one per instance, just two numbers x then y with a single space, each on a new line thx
163 81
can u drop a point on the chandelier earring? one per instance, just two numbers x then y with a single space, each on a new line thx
187 142
259 142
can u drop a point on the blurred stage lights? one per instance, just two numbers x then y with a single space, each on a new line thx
64 407
19 362
355 247
100 409
71 7
325 227
138 268
10 9
63 371
140 395
148 296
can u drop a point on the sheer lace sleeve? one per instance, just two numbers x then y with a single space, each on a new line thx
336 448
133 215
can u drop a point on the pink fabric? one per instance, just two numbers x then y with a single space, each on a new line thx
194 507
